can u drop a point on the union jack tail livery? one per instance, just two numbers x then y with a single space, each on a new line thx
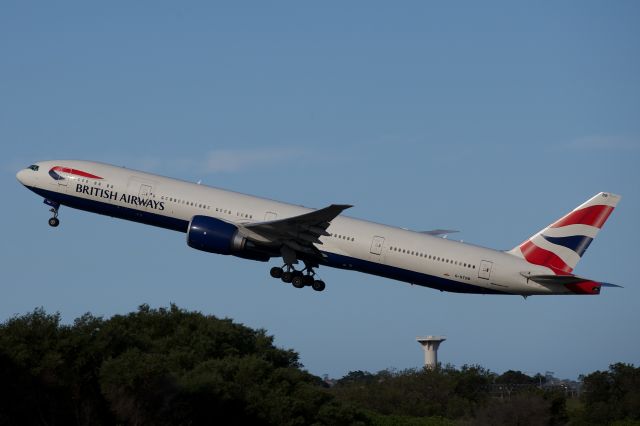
560 245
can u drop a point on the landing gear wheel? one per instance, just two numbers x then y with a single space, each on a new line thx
276 272
287 277
318 285
53 221
298 281
307 280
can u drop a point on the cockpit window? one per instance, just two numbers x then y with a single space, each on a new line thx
34 167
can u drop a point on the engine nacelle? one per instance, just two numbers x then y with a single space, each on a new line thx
217 236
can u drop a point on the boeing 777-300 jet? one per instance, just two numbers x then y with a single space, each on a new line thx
230 223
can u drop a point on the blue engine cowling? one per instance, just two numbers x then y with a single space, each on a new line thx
217 236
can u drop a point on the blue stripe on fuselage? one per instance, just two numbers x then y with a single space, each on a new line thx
140 216
332 259
395 273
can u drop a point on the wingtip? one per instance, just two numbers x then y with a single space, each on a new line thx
342 206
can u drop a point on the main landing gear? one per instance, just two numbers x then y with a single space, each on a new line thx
53 221
298 279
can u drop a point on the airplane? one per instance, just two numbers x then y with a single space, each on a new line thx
230 223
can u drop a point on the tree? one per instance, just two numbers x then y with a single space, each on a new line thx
612 395
155 367
445 392
523 409
512 377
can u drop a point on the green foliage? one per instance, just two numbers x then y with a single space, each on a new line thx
512 377
415 397
523 409
611 395
168 366
395 420
155 367
445 392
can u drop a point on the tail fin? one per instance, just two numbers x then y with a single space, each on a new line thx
560 245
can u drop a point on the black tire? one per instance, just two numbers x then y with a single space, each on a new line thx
54 222
276 272
287 277
307 280
318 285
298 281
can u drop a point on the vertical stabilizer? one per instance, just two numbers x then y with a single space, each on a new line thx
560 245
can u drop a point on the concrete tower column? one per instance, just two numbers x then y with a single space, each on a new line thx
430 345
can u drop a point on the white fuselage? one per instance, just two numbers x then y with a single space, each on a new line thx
361 245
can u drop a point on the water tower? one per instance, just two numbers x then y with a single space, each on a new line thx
430 345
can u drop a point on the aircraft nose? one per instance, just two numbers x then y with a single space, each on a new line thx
21 176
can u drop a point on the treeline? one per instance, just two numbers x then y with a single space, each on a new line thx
470 393
169 366
155 367
476 396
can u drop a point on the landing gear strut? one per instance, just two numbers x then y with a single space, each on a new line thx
53 221
298 279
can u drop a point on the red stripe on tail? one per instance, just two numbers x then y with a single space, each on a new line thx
593 216
539 256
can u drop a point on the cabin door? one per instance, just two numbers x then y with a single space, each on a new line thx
485 269
376 245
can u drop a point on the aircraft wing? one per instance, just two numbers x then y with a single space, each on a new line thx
438 232
298 233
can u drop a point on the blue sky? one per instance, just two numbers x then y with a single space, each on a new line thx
491 118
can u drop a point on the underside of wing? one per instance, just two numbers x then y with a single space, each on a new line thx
297 233
439 232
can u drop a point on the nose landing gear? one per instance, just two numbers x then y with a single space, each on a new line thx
53 221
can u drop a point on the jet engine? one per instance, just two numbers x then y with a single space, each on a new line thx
217 236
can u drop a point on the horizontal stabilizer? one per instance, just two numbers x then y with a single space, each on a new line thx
611 285
573 283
